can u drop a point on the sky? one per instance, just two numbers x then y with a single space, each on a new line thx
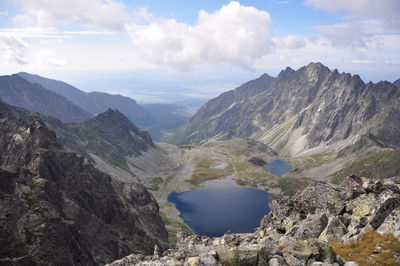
164 51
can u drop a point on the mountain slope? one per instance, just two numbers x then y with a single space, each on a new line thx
126 105
166 117
110 135
17 91
58 209
397 83
301 110
93 102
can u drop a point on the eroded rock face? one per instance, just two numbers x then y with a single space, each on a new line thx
295 233
57 209
306 108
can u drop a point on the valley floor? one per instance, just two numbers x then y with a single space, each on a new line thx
168 168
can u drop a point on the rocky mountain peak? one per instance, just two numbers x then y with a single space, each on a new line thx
266 76
321 105
113 115
315 71
286 72
316 66
117 129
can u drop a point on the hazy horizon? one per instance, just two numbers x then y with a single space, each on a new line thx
161 52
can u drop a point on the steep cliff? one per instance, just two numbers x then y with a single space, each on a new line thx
57 209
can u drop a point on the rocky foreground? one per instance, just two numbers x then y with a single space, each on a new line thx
324 224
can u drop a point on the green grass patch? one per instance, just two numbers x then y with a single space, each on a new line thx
165 218
319 159
382 164
201 175
204 161
289 185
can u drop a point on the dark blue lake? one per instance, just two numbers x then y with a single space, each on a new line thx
279 167
221 206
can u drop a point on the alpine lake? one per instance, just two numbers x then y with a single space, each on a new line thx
222 206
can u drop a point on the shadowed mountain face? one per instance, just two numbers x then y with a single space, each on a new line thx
57 209
300 110
17 91
110 135
94 102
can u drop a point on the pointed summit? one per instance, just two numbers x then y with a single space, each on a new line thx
285 73
113 115
117 129
316 65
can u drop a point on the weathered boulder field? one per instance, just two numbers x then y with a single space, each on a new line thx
324 224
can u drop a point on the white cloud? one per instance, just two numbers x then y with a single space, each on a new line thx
23 20
107 14
363 33
290 42
385 10
47 57
235 34
365 23
358 61
49 32
12 49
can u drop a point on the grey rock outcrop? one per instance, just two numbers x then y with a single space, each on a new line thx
57 209
297 231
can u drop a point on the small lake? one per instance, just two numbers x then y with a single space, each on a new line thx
220 207
279 167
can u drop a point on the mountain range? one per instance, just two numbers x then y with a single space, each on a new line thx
70 104
19 92
76 169
93 102
313 108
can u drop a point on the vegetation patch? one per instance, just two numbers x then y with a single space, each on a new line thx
382 164
204 161
155 183
173 227
319 159
203 172
289 185
371 248
201 175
